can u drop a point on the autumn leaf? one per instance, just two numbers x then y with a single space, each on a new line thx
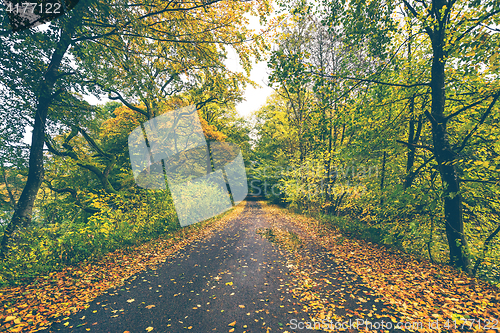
109 272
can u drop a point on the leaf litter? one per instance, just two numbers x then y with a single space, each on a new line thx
338 278
34 306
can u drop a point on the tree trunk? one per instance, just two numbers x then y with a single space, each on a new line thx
24 209
332 133
412 140
382 178
443 152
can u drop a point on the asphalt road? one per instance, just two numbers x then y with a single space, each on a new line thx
235 276
234 281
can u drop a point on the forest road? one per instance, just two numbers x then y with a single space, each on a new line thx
233 281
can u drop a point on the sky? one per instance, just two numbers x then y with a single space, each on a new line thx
255 98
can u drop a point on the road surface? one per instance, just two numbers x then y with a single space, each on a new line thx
234 281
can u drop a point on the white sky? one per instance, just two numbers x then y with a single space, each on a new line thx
255 98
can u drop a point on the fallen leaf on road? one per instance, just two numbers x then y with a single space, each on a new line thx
75 292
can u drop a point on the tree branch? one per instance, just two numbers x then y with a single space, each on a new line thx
62 190
59 153
468 107
479 22
92 143
431 118
74 194
415 14
13 202
479 181
370 80
481 121
103 178
486 242
421 166
127 104
410 145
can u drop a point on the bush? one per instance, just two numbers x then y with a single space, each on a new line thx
122 221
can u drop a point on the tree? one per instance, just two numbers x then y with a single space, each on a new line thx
450 27
96 25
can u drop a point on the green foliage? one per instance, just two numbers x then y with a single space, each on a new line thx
122 220
197 195
354 228
352 130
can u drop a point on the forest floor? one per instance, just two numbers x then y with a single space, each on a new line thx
259 268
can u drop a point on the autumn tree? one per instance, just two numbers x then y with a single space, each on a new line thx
123 49
450 28
410 89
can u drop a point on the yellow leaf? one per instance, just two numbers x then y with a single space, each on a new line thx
149 329
242 306
229 283
232 324
9 318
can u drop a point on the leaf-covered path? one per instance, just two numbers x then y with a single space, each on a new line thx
258 268
234 276
234 281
